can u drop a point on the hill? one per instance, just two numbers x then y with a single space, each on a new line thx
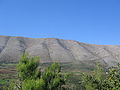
59 50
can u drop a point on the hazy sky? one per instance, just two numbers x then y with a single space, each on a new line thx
90 21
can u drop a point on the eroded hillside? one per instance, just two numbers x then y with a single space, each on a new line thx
51 49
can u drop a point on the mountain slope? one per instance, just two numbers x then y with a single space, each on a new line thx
51 49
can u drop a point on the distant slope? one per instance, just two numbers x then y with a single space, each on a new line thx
51 49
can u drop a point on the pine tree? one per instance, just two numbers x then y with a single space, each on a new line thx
31 78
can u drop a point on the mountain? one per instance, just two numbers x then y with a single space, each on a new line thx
52 49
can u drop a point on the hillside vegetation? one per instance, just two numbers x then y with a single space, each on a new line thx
31 76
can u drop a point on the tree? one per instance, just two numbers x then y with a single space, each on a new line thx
30 76
112 82
93 81
28 67
54 79
100 80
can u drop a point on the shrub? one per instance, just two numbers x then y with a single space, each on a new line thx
99 80
31 78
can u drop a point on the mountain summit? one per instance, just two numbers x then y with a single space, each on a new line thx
59 50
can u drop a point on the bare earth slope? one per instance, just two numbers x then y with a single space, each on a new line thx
51 49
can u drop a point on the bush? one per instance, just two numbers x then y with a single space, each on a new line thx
28 67
30 76
99 80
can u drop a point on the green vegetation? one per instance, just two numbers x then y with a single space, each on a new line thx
31 75
101 80
7 74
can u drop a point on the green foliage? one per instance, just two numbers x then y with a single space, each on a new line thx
112 82
53 77
38 84
11 87
3 82
28 67
93 81
100 80
30 76
98 72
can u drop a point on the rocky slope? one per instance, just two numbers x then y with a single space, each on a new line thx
51 49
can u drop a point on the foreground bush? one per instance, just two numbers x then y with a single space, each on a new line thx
30 77
100 80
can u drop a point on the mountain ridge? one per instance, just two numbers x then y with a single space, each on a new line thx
60 39
60 50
